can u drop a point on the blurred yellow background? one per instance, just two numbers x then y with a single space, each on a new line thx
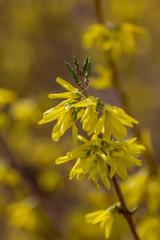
37 201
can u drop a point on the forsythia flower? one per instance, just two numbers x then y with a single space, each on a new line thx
104 217
101 156
112 122
96 155
90 116
116 39
89 157
64 112
122 154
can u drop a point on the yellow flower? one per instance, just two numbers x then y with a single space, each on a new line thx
64 113
96 155
113 121
90 116
104 217
64 122
122 154
91 158
115 39
72 91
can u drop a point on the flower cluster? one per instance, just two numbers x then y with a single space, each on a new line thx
116 38
102 158
65 113
103 154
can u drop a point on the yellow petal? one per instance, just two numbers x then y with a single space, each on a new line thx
118 130
125 122
66 85
88 164
93 124
52 114
86 113
80 176
63 159
83 103
120 113
82 139
106 130
77 168
101 217
121 169
101 167
90 120
67 121
99 125
132 140
131 160
93 100
69 95
90 216
102 155
93 172
95 181
56 133
80 113
74 134
108 227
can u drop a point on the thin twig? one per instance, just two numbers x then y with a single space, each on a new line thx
98 8
126 212
117 84
150 160
124 102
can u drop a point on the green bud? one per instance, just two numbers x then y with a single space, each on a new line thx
134 210
85 65
72 70
75 60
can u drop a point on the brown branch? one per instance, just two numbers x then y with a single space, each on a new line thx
98 9
124 102
122 95
126 212
150 160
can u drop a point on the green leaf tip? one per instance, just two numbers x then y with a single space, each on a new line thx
72 70
134 210
76 62
87 66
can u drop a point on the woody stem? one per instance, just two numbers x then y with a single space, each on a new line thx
128 217
116 81
150 160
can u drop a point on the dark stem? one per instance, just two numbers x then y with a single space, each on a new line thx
126 212
123 206
124 102
98 8
110 62
122 95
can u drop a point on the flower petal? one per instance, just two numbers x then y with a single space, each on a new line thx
66 85
74 134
